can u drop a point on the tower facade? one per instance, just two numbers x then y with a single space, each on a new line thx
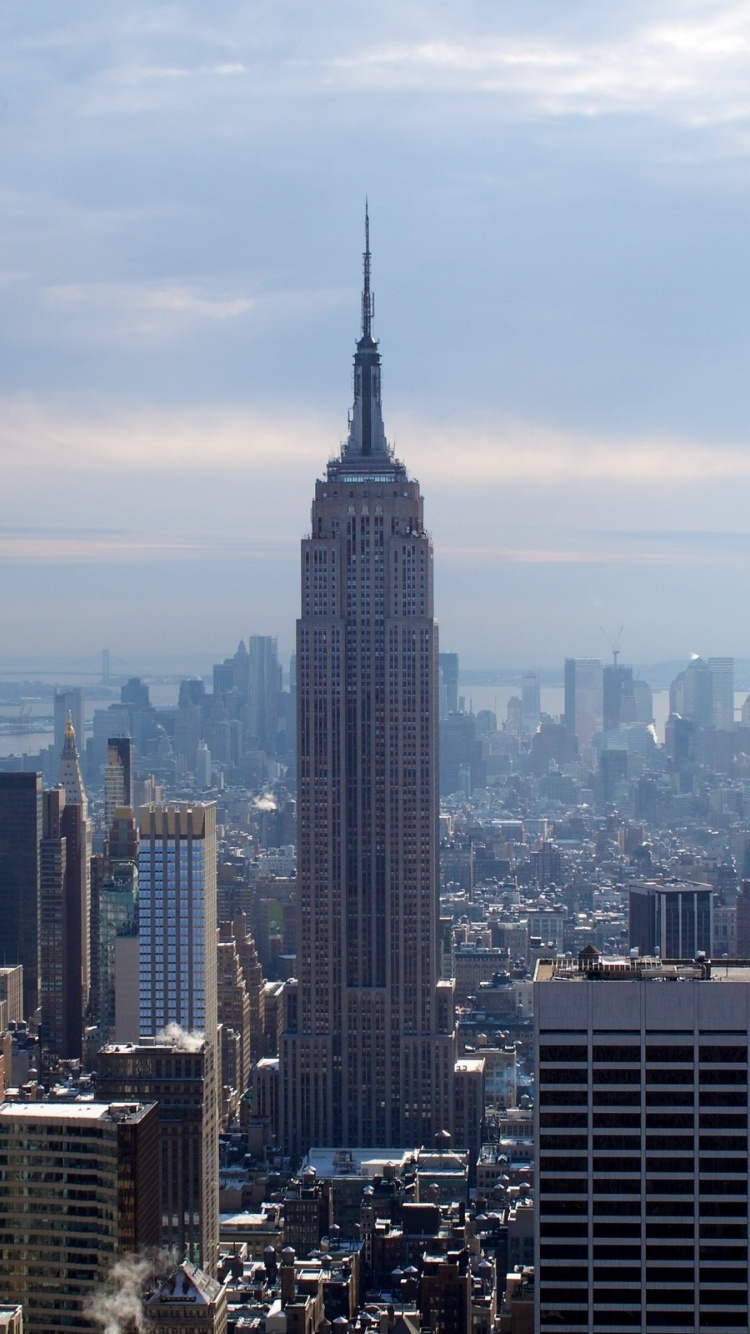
177 909
642 1141
584 700
368 1049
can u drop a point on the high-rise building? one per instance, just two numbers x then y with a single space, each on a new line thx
76 948
264 691
618 700
53 928
721 671
368 1049
234 1010
20 836
642 1186
673 919
118 784
78 1188
530 702
177 911
584 701
181 1076
448 664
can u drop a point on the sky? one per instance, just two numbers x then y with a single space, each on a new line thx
560 205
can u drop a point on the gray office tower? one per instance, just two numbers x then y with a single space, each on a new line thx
674 919
368 1050
20 834
642 1124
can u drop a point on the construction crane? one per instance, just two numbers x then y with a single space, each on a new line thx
616 646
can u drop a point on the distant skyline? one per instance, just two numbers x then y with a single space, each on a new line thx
559 199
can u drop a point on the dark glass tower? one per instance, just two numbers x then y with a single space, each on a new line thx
368 1050
20 834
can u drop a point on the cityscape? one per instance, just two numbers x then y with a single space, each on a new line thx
374 810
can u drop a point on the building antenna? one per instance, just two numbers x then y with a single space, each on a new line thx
368 300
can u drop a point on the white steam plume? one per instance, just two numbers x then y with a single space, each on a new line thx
175 1036
119 1307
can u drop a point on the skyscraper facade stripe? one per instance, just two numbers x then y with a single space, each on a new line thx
368 1049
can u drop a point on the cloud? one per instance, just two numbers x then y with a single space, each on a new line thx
461 454
158 311
692 67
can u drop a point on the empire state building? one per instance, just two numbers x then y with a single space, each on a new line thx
367 1056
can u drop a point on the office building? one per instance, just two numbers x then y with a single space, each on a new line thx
674 919
642 1195
721 671
11 991
118 782
20 836
11 1319
530 702
177 911
181 1076
584 698
617 694
264 692
368 1049
234 1010
79 1187
448 665
76 830
53 929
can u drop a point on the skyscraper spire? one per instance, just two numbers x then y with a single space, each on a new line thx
366 447
368 300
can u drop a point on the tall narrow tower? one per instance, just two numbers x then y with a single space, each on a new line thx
368 1050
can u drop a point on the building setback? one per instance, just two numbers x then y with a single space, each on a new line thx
642 1125
368 1048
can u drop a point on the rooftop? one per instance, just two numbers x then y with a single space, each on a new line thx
590 966
61 1112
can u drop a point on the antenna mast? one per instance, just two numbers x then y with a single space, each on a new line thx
368 300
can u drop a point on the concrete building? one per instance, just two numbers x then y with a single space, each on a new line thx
368 1048
188 1299
233 1005
643 1145
177 910
20 836
182 1077
79 1185
11 991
